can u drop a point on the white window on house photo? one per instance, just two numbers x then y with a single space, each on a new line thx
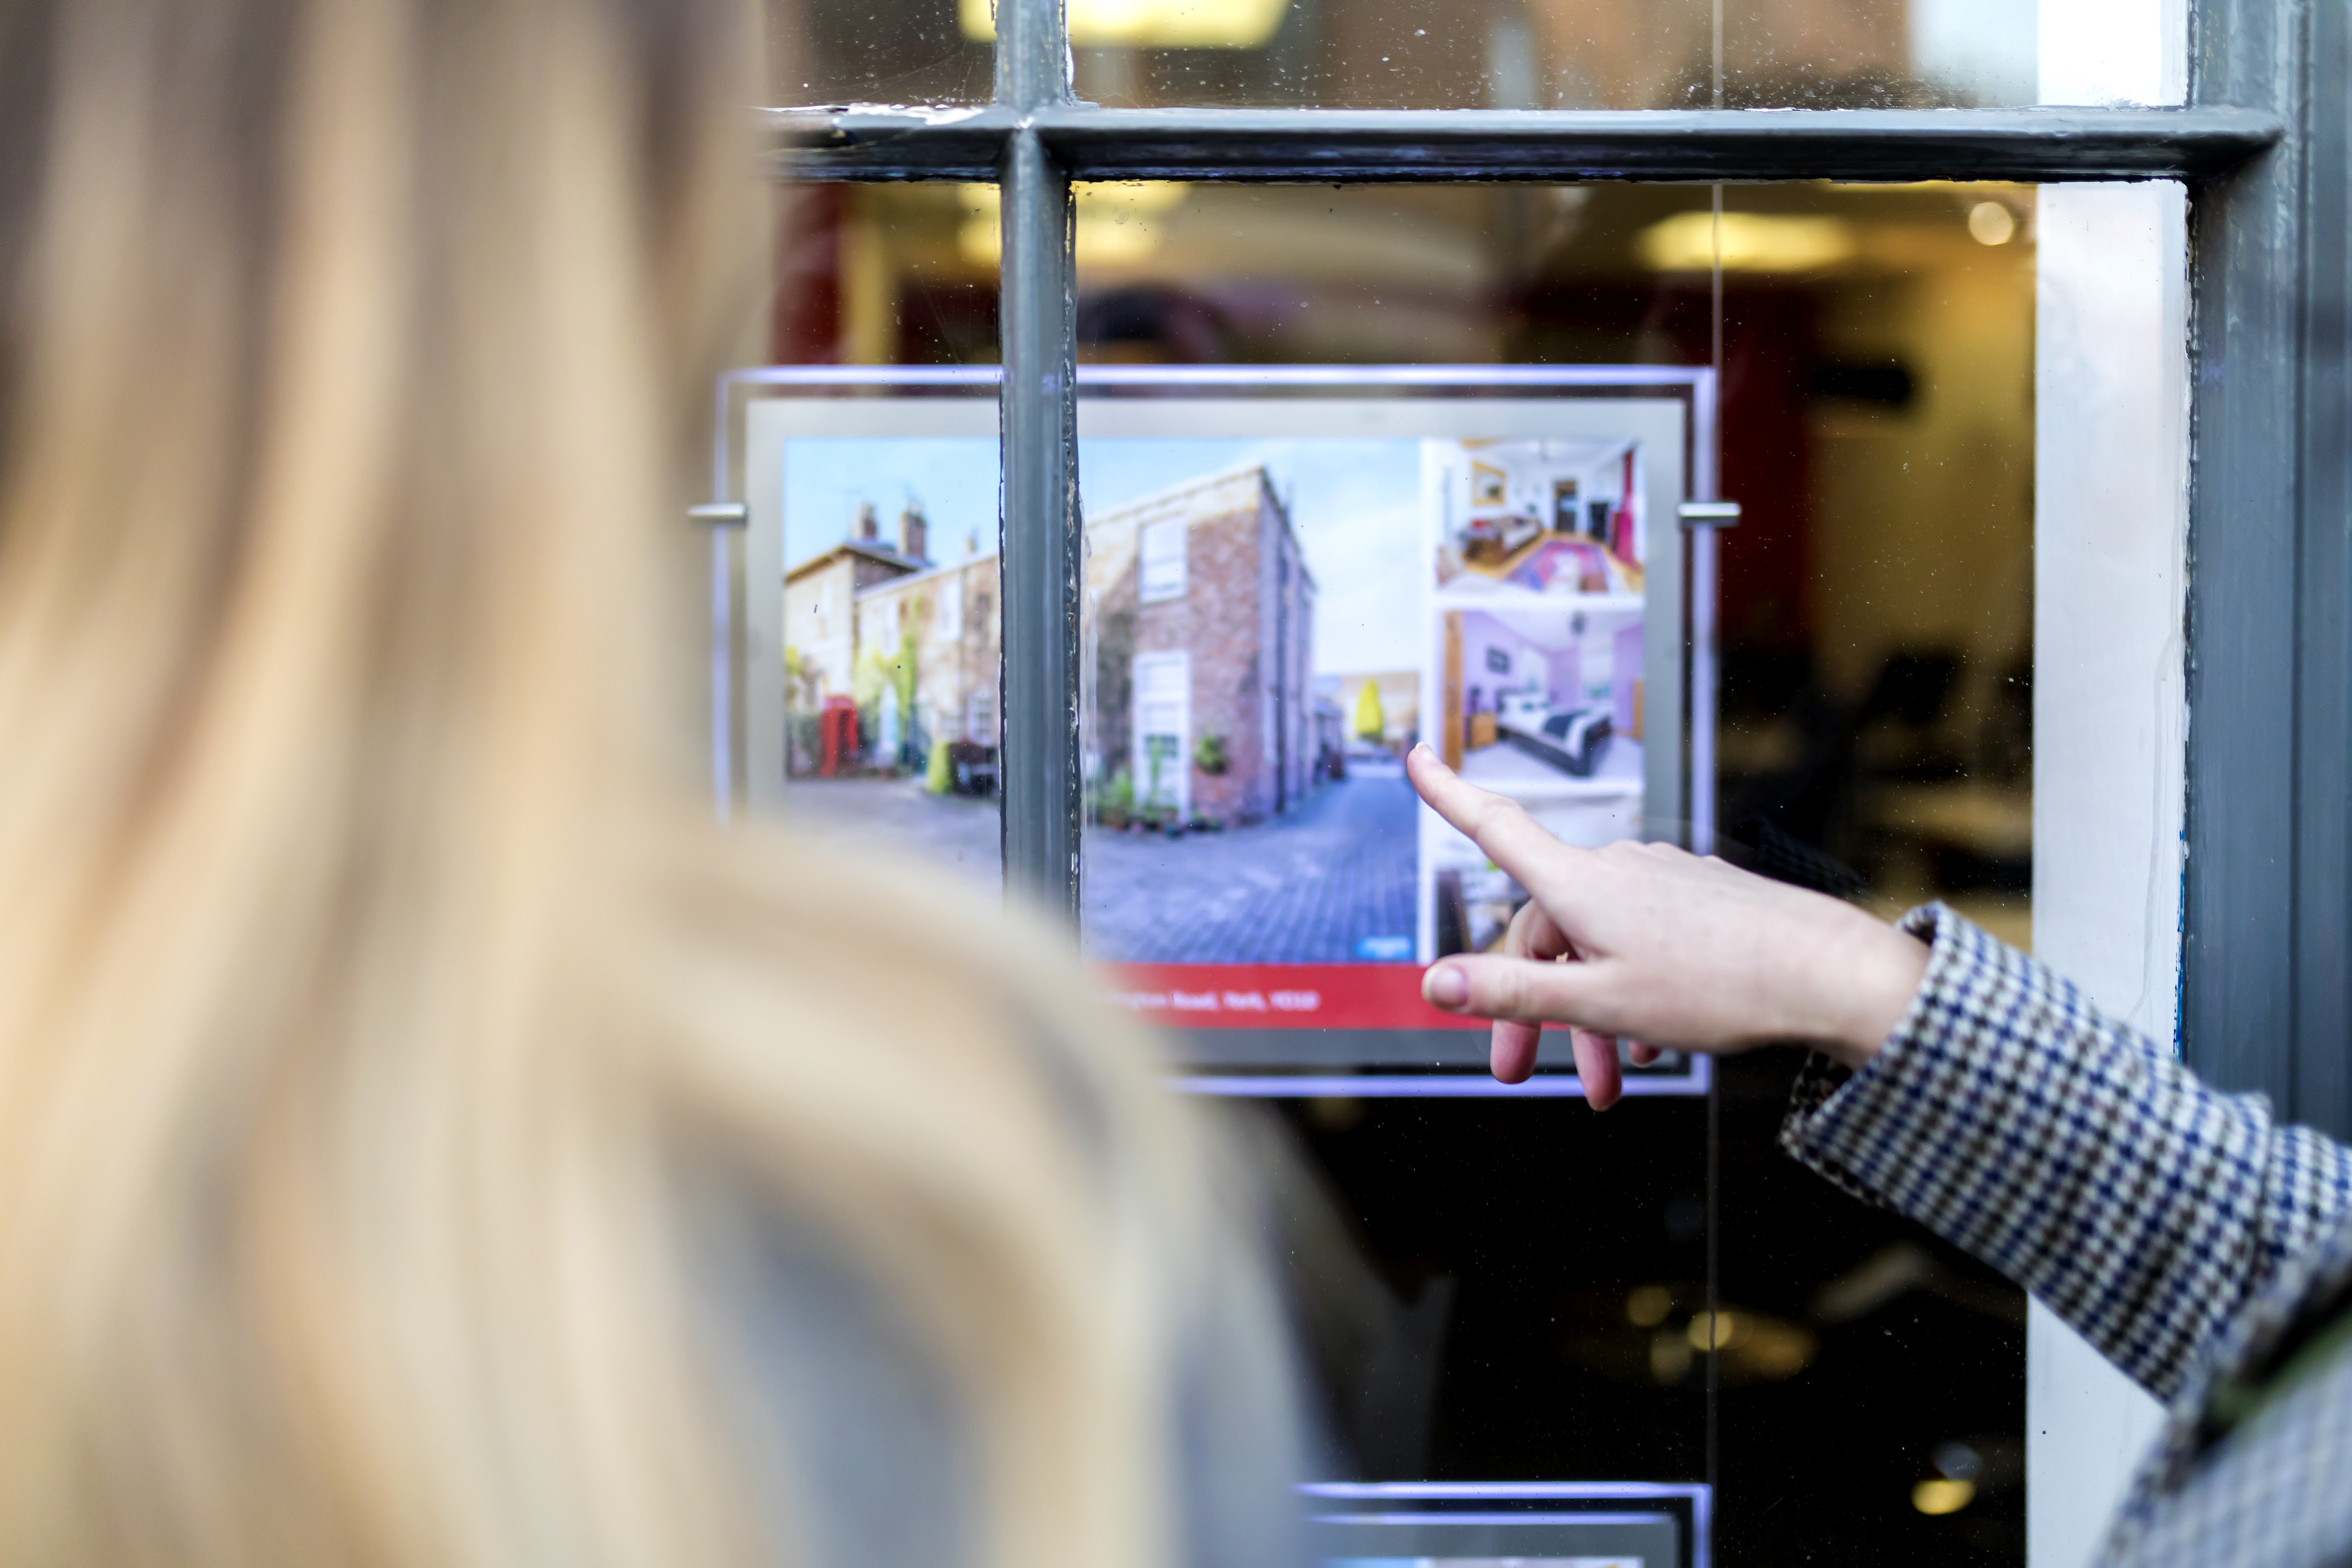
980 716
947 621
1162 561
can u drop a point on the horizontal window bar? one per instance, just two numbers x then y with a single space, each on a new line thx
1315 145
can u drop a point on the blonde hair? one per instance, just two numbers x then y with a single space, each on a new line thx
369 981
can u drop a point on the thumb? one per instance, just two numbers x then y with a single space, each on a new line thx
1533 991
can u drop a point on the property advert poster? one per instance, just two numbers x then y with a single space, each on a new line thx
1280 601
1272 624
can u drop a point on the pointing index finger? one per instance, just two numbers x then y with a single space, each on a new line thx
1510 838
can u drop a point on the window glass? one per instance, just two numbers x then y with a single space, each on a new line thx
878 275
848 52
1549 54
1878 598
1478 1312
1874 637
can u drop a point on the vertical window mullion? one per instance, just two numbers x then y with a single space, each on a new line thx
1043 788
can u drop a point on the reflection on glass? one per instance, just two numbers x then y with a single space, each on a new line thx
1376 54
1150 23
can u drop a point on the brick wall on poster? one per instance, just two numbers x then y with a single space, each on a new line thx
1243 614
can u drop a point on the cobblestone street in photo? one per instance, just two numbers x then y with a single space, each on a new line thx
1303 887
957 832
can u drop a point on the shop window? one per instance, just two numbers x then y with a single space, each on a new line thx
1874 635
1869 356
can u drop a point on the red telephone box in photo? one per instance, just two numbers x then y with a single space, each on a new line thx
837 737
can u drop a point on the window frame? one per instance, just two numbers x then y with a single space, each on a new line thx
2263 144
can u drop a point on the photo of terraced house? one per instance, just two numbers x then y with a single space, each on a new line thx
891 660
1201 621
1235 818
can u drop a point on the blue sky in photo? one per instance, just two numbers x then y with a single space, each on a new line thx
953 477
1356 505
1357 508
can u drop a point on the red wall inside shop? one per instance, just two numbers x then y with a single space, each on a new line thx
805 313
1766 563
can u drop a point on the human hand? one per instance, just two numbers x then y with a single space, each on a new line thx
1654 942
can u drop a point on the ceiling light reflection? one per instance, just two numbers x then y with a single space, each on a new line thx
1939 1496
1752 242
1992 223
1115 223
1150 23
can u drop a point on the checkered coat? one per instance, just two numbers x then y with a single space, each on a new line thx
2181 1230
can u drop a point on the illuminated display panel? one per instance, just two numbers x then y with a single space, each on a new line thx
1291 577
1472 1524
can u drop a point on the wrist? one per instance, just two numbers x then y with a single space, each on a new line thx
1872 972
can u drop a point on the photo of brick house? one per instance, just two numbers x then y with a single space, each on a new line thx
1202 614
907 644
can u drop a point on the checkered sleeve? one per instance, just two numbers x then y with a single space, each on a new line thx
2008 1116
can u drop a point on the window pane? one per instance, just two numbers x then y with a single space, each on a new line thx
850 51
877 275
1876 669
1365 566
1878 598
1552 54
1875 636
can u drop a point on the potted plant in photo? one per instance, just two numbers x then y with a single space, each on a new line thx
1209 755
1115 801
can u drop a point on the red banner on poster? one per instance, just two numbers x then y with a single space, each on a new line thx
1278 996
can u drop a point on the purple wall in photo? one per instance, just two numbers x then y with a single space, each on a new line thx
1566 677
1627 653
1479 634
